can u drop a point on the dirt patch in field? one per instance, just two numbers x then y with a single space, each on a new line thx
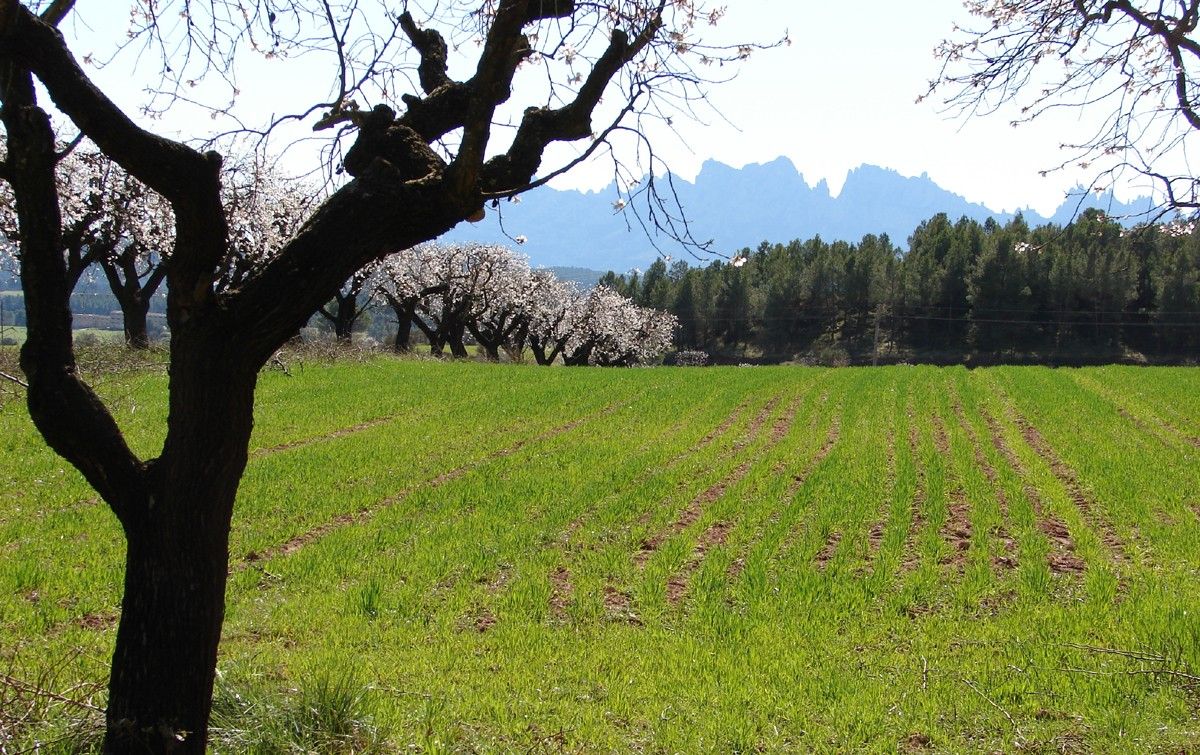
956 530
97 621
497 582
1062 558
297 542
941 439
783 423
334 435
736 567
484 621
825 555
677 584
618 606
911 557
916 743
1066 475
875 538
561 592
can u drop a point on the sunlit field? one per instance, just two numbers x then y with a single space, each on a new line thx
470 557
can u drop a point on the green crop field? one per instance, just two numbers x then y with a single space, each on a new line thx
463 557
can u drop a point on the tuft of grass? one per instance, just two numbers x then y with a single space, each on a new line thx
330 712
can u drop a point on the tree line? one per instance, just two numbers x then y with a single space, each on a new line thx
488 294
962 291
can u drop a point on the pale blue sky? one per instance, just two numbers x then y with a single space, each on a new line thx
842 94
845 93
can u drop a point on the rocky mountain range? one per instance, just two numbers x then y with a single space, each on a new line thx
737 208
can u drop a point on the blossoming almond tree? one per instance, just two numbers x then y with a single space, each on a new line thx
423 156
112 221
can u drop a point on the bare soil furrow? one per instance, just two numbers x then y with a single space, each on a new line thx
577 523
297 542
1062 558
618 606
340 433
1066 475
691 513
831 438
677 584
1008 559
910 556
717 533
956 530
561 592
825 555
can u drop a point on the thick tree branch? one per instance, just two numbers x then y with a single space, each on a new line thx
433 51
363 221
57 11
162 164
542 126
69 415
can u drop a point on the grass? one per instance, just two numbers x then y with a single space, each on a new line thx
450 557
16 334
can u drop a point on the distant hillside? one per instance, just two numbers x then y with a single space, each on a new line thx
738 208
583 276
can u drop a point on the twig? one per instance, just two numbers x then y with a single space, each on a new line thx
1134 654
17 684
1133 672
995 705
14 379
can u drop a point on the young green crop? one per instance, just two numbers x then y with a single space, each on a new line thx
461 556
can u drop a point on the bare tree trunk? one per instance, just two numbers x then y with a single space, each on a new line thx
131 294
403 342
454 339
133 315
177 562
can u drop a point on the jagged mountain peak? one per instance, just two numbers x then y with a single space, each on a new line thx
738 208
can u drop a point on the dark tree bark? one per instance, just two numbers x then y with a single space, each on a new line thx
406 312
133 289
344 315
494 334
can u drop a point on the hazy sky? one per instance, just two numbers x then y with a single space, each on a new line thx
842 94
